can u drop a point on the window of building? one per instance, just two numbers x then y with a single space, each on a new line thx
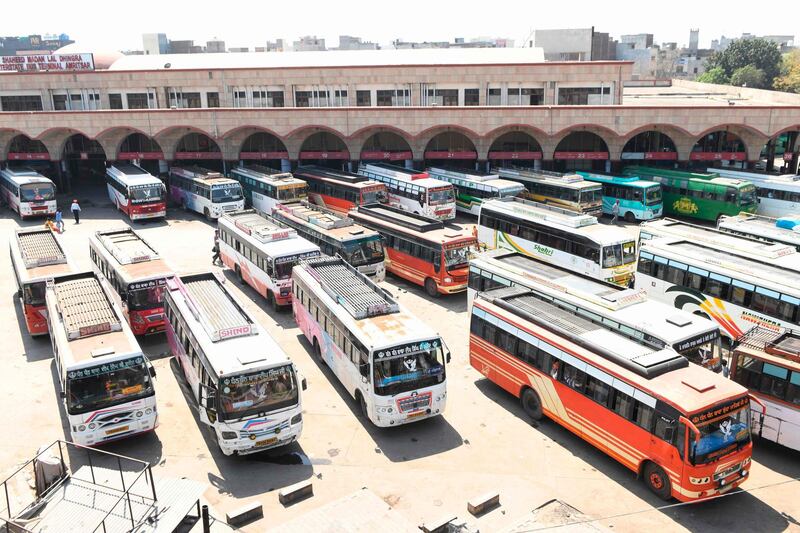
275 99
135 100
212 99
60 102
340 98
443 97
115 101
522 96
363 98
584 95
302 99
184 100
493 96
392 97
471 96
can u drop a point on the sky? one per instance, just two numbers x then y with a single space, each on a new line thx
99 25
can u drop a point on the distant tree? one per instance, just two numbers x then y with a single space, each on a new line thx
789 80
749 76
714 75
762 54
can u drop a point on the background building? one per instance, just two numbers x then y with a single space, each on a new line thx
11 46
575 44
309 44
155 43
215 47
347 42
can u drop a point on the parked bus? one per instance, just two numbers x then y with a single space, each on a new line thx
701 196
338 190
414 191
762 228
264 187
638 199
262 253
138 274
627 312
27 192
336 234
737 291
568 239
203 191
390 361
683 429
473 187
430 253
768 363
36 256
136 192
244 385
106 381
778 194
568 191
775 253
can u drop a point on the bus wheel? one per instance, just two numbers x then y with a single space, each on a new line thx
207 213
318 351
430 288
272 301
363 405
657 481
239 274
630 218
531 404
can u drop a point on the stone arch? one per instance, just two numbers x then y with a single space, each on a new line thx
232 142
199 148
385 145
650 146
451 147
717 145
21 147
324 147
514 145
84 159
169 137
782 151
582 149
295 138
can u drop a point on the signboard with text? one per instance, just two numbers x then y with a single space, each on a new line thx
581 155
48 63
718 156
515 155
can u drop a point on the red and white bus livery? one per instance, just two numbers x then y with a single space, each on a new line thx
136 272
338 190
36 256
684 429
27 192
135 192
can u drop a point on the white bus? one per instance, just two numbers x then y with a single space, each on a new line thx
568 191
473 187
27 192
203 191
391 362
336 234
106 381
775 253
627 312
264 188
737 291
136 192
414 191
767 362
761 228
262 252
572 240
778 195
245 386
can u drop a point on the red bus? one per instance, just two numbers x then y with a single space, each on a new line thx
338 190
136 272
37 255
684 429
136 192
431 253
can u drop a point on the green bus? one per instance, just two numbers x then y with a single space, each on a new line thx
699 196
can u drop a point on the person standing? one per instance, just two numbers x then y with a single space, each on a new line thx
76 211
59 221
215 259
615 211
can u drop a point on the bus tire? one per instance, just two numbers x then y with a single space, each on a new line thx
239 274
207 213
657 481
430 288
362 404
273 302
318 351
630 218
531 404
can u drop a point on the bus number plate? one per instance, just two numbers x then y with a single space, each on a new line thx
117 430
266 442
415 415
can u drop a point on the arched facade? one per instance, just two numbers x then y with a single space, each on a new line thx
386 146
581 150
23 148
517 148
324 148
718 146
649 147
453 148
84 160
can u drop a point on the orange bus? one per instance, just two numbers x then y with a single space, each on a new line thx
428 252
338 190
36 256
684 429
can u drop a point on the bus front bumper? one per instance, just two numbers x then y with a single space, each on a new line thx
97 437
246 446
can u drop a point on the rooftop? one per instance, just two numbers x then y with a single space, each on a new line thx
683 94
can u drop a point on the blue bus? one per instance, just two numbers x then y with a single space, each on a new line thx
638 199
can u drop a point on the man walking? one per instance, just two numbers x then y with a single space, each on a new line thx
215 259
76 211
59 221
615 212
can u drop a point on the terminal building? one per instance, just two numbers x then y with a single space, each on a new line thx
472 107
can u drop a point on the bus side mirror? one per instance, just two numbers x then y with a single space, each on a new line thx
447 357
669 433
62 395
152 371
304 384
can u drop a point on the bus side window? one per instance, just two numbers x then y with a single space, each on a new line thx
623 404
364 363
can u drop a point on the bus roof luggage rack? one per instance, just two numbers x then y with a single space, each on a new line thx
644 361
219 314
350 288
550 213
254 170
454 172
734 260
401 217
127 246
334 174
782 343
531 173
198 172
260 227
85 307
388 167
316 215
40 247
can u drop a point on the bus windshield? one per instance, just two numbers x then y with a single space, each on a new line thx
747 195
411 370
591 196
653 195
259 392
37 192
101 386
228 193
33 293
459 257
373 196
284 265
150 193
292 193
146 298
619 254
707 355
364 251
722 436
512 191
442 195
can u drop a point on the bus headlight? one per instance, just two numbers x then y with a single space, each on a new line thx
92 425
296 419
148 411
139 414
81 428
699 480
448 280
228 435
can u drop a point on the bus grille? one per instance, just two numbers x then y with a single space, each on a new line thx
414 403
275 428
113 419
